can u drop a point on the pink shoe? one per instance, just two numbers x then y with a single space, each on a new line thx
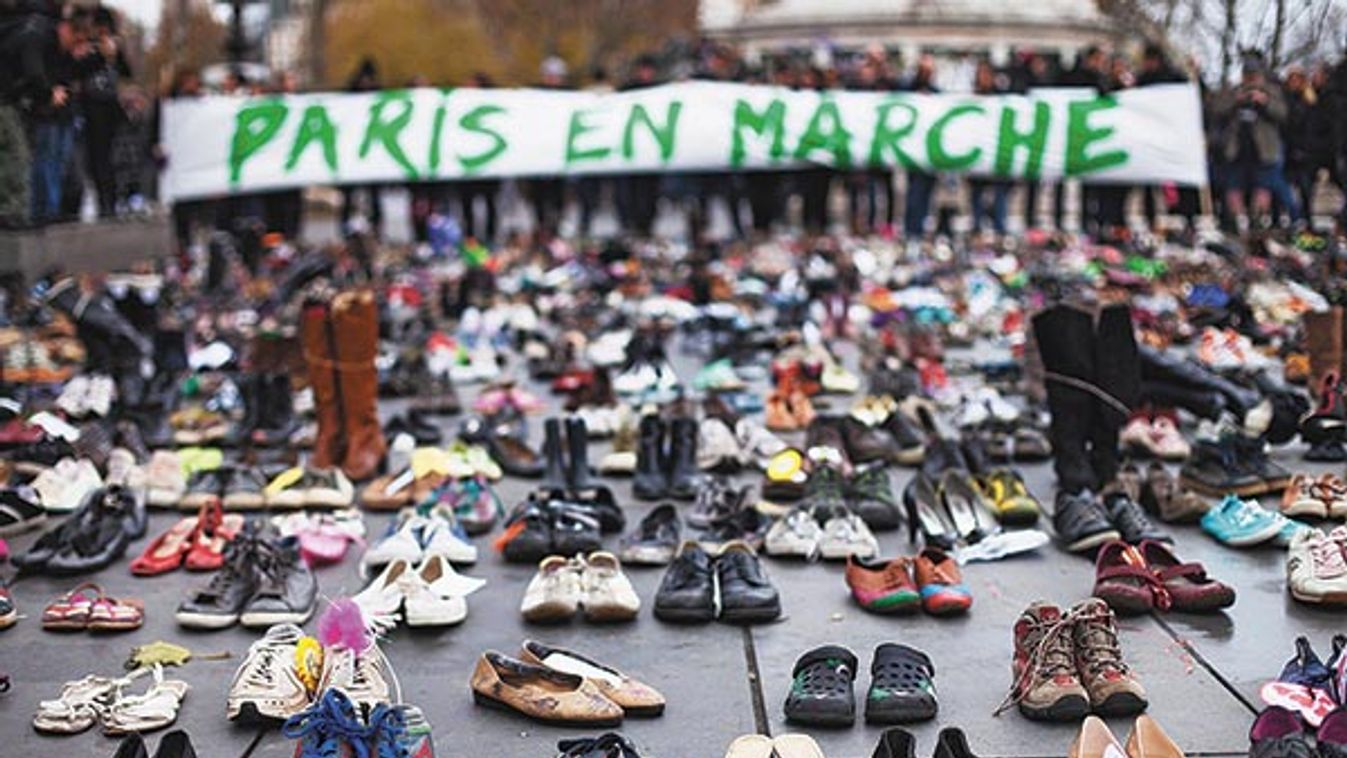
1166 440
492 400
324 538
525 401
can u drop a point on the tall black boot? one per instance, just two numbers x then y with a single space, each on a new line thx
577 464
1065 336
277 421
651 481
101 325
1161 367
682 465
253 389
554 476
1117 371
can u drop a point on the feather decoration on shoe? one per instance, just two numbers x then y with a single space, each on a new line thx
343 625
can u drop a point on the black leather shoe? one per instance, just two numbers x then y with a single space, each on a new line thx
424 434
577 460
746 594
515 457
866 443
687 591
554 463
533 540
1081 522
651 481
952 743
897 743
1131 520
575 529
684 476
901 686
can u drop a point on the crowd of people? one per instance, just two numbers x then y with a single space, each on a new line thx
73 122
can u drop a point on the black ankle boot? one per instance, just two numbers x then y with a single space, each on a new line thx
652 479
253 390
577 464
683 475
1065 338
554 476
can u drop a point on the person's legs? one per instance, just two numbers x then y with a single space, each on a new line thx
99 132
15 170
917 204
976 190
1031 190
1272 180
1000 203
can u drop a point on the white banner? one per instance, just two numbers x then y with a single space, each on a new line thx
219 145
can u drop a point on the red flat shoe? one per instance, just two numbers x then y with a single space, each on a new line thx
166 552
206 552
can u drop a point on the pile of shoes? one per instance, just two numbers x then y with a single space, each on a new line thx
561 687
902 687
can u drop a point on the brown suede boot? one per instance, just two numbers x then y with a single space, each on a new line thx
355 322
329 445
1323 342
1114 689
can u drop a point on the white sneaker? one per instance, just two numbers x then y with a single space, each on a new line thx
847 535
796 533
716 445
440 538
100 394
381 601
266 684
1316 570
554 592
63 487
398 543
608 594
73 394
757 445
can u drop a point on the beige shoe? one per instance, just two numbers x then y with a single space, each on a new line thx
1114 690
1316 569
544 695
1148 740
607 592
797 746
635 698
750 746
554 592
267 685
1095 741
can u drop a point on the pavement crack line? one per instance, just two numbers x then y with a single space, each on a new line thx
1206 664
256 741
755 683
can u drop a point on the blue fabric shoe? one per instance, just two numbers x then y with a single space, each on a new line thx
1242 523
330 728
1289 529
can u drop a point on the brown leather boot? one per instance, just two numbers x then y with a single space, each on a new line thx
329 444
355 322
1323 342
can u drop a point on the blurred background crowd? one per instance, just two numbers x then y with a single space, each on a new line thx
79 131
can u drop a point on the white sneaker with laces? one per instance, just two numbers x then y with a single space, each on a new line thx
266 684
400 543
844 535
797 533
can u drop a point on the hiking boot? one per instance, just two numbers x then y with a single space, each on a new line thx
1113 689
1215 469
821 691
1046 684
687 592
746 594
1131 520
1081 521
870 495
266 685
902 689
286 589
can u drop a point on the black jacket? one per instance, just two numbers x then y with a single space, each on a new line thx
30 61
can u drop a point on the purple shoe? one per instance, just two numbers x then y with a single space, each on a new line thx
1278 733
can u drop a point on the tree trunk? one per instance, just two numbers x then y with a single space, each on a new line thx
1278 32
317 43
1228 40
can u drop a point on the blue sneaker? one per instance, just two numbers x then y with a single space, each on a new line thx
1289 529
330 728
1241 523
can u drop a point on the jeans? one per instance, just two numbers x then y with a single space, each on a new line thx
1000 190
53 142
917 204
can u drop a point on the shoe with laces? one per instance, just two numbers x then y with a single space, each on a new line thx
1133 525
1081 521
1316 569
845 535
266 685
286 591
795 534
1047 685
746 594
607 594
330 728
442 535
655 539
554 593
825 491
821 690
716 500
869 493
220 602
1215 469
366 676
1113 688
1242 523
687 591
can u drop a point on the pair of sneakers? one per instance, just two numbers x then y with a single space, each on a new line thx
333 726
432 594
264 581
419 532
829 533
87 395
594 583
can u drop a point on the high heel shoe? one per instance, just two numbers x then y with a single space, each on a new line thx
1095 741
922 503
952 743
1148 740
964 505
897 743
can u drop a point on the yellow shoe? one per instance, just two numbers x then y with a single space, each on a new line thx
1010 499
